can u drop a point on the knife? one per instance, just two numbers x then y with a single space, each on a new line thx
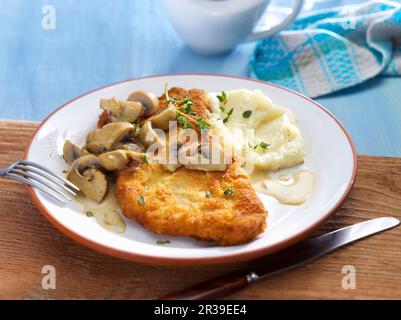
303 252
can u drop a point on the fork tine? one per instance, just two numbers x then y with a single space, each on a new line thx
35 185
54 174
40 180
43 174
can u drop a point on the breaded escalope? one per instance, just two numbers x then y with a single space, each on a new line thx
217 206
197 96
192 203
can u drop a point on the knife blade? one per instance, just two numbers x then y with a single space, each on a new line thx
303 252
314 248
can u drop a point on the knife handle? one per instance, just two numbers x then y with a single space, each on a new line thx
213 289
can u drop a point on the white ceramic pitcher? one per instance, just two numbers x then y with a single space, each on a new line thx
214 27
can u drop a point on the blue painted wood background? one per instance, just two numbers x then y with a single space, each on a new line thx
97 42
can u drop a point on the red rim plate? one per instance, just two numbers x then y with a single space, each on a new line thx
235 257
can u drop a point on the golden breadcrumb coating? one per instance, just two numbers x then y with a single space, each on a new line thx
192 203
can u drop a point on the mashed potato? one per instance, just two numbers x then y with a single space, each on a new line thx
275 141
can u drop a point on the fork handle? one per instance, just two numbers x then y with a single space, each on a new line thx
213 289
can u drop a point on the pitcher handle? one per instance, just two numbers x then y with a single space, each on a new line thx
282 25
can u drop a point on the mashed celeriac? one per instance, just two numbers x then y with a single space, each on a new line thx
276 141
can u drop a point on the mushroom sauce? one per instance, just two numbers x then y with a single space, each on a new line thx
293 189
107 213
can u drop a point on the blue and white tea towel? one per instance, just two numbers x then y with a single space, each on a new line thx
330 50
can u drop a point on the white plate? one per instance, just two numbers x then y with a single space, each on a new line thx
330 154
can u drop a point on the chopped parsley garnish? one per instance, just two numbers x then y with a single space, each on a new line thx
181 120
89 213
187 125
186 107
145 158
171 100
222 97
137 127
141 200
222 109
228 192
264 145
261 144
229 114
162 242
185 112
247 114
203 125
208 194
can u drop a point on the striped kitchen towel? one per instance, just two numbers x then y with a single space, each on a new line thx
325 51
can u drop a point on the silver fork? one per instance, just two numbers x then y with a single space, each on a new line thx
41 178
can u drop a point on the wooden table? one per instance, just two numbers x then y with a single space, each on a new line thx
28 242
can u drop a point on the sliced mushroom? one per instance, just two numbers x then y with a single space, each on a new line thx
102 140
129 146
72 152
86 175
147 136
148 100
122 111
118 159
162 119
171 163
204 160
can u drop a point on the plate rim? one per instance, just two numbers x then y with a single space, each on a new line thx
185 261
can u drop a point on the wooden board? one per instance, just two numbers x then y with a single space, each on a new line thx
28 242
